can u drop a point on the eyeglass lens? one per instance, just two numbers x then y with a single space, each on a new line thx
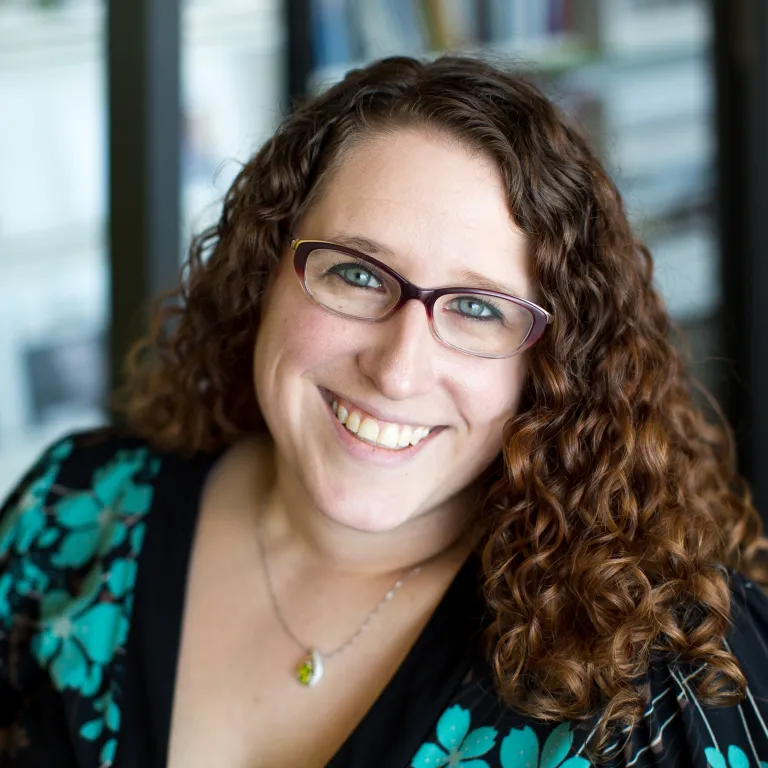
475 323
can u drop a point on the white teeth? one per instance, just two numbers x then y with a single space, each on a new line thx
353 422
369 430
388 437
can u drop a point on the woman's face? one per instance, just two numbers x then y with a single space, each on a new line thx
437 212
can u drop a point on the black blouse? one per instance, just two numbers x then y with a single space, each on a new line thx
95 546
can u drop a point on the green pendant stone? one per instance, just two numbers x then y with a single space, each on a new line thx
310 668
304 670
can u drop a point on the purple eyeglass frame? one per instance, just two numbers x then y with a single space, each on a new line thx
409 292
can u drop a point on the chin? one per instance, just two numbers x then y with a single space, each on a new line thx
366 519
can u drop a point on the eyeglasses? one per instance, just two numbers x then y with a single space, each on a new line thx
471 320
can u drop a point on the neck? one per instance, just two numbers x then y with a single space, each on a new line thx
295 529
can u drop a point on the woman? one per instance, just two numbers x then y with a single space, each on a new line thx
412 476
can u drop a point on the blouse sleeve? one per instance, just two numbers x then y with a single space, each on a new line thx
22 579
677 730
71 535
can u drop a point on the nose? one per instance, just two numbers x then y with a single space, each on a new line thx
399 360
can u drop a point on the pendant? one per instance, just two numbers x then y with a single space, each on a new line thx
310 669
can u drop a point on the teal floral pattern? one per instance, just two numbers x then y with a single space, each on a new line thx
520 749
96 523
737 758
73 554
26 521
458 746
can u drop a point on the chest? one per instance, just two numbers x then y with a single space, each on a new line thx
237 701
238 704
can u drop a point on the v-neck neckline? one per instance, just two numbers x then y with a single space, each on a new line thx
160 596
391 730
403 715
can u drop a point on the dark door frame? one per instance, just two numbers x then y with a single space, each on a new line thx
143 62
741 86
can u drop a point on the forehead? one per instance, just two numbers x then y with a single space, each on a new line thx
438 209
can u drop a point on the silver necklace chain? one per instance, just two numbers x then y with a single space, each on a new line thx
366 622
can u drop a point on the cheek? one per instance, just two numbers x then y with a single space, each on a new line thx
301 335
491 394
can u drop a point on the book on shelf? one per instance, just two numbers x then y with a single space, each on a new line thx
613 27
515 20
353 31
630 27
331 33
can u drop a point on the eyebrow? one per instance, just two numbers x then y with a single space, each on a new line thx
474 279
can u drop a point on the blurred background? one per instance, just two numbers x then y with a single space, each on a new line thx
123 123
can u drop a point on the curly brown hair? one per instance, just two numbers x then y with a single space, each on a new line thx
615 509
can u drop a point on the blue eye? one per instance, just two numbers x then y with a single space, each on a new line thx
472 307
357 275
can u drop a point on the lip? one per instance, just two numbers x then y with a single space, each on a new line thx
330 396
373 454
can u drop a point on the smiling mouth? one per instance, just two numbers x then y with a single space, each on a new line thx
375 432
